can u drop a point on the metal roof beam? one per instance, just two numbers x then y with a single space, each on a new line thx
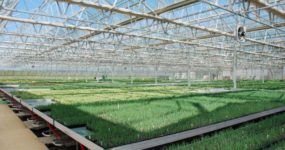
61 25
158 18
268 8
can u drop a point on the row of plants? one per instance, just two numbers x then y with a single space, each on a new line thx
70 92
277 146
126 114
120 122
255 95
77 84
92 84
251 136
104 94
248 84
26 95
145 80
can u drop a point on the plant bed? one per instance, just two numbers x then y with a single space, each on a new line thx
123 122
118 116
248 137
277 146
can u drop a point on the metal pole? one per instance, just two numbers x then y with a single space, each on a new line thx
283 70
112 67
98 70
189 76
209 73
132 80
112 72
235 69
262 73
189 66
156 69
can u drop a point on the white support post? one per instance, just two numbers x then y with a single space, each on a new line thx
189 76
209 73
283 70
86 72
132 74
112 71
132 78
156 70
262 73
246 74
251 72
98 70
189 67
235 69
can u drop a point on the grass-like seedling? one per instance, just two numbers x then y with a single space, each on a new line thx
277 146
124 121
104 94
247 84
26 95
121 115
251 136
93 84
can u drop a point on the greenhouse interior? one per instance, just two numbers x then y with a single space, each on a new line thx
142 74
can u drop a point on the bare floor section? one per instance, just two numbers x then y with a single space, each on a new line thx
14 134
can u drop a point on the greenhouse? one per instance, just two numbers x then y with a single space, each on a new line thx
142 74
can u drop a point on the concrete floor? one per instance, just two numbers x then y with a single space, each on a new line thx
14 135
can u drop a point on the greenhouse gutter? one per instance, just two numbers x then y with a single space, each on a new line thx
198 131
72 134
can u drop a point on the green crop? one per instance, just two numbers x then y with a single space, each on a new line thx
251 136
247 84
104 94
120 114
120 122
119 83
277 146
26 95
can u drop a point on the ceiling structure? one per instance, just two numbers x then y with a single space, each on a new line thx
145 34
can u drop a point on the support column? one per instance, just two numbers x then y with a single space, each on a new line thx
262 73
283 70
112 71
235 69
86 72
246 74
98 70
189 76
251 71
132 74
132 78
209 73
156 70
189 66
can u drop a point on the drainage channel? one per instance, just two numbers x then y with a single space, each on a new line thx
52 133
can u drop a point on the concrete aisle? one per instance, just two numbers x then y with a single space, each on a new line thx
13 133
